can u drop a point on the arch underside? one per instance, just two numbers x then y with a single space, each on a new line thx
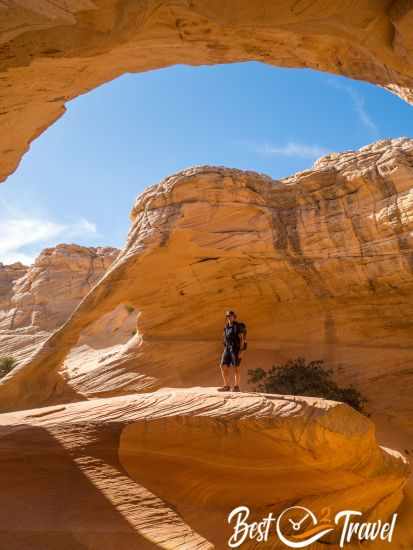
52 52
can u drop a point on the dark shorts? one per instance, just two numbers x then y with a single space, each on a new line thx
230 358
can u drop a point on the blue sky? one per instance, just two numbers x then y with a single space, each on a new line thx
79 179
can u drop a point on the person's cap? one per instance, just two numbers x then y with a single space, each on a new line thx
229 312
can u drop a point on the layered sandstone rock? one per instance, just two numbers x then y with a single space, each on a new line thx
164 469
36 300
318 264
67 47
48 291
8 275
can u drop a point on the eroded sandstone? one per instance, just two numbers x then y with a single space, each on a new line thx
318 264
51 52
163 469
37 299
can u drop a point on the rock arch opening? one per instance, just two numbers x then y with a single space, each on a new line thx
65 51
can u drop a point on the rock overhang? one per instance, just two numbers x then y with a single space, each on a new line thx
65 51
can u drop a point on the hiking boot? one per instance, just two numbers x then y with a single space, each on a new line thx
224 388
236 388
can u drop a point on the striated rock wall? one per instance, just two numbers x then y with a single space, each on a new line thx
51 288
35 300
65 48
164 469
318 264
8 275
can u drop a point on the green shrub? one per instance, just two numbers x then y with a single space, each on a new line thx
129 308
7 363
296 377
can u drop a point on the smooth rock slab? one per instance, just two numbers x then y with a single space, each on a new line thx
163 469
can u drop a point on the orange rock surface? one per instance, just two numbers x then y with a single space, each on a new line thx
51 52
163 469
37 299
318 264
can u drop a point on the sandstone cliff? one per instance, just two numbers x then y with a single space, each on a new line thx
37 299
319 264
65 48
8 275
163 469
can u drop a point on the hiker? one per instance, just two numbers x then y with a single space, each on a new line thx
234 344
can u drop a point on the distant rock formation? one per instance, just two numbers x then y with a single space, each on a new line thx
8 275
37 299
164 469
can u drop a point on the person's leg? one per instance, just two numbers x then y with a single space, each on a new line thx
225 361
232 366
225 375
237 373
237 376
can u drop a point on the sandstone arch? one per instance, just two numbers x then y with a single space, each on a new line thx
51 52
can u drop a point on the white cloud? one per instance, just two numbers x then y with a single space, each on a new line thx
358 104
23 237
15 256
82 226
292 149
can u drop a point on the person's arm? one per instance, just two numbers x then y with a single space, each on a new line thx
241 341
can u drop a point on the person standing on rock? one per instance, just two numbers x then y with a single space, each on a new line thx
234 344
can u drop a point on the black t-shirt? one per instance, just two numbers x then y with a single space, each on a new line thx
232 336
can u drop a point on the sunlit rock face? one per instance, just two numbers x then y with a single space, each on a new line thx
66 48
37 299
9 274
318 265
164 469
